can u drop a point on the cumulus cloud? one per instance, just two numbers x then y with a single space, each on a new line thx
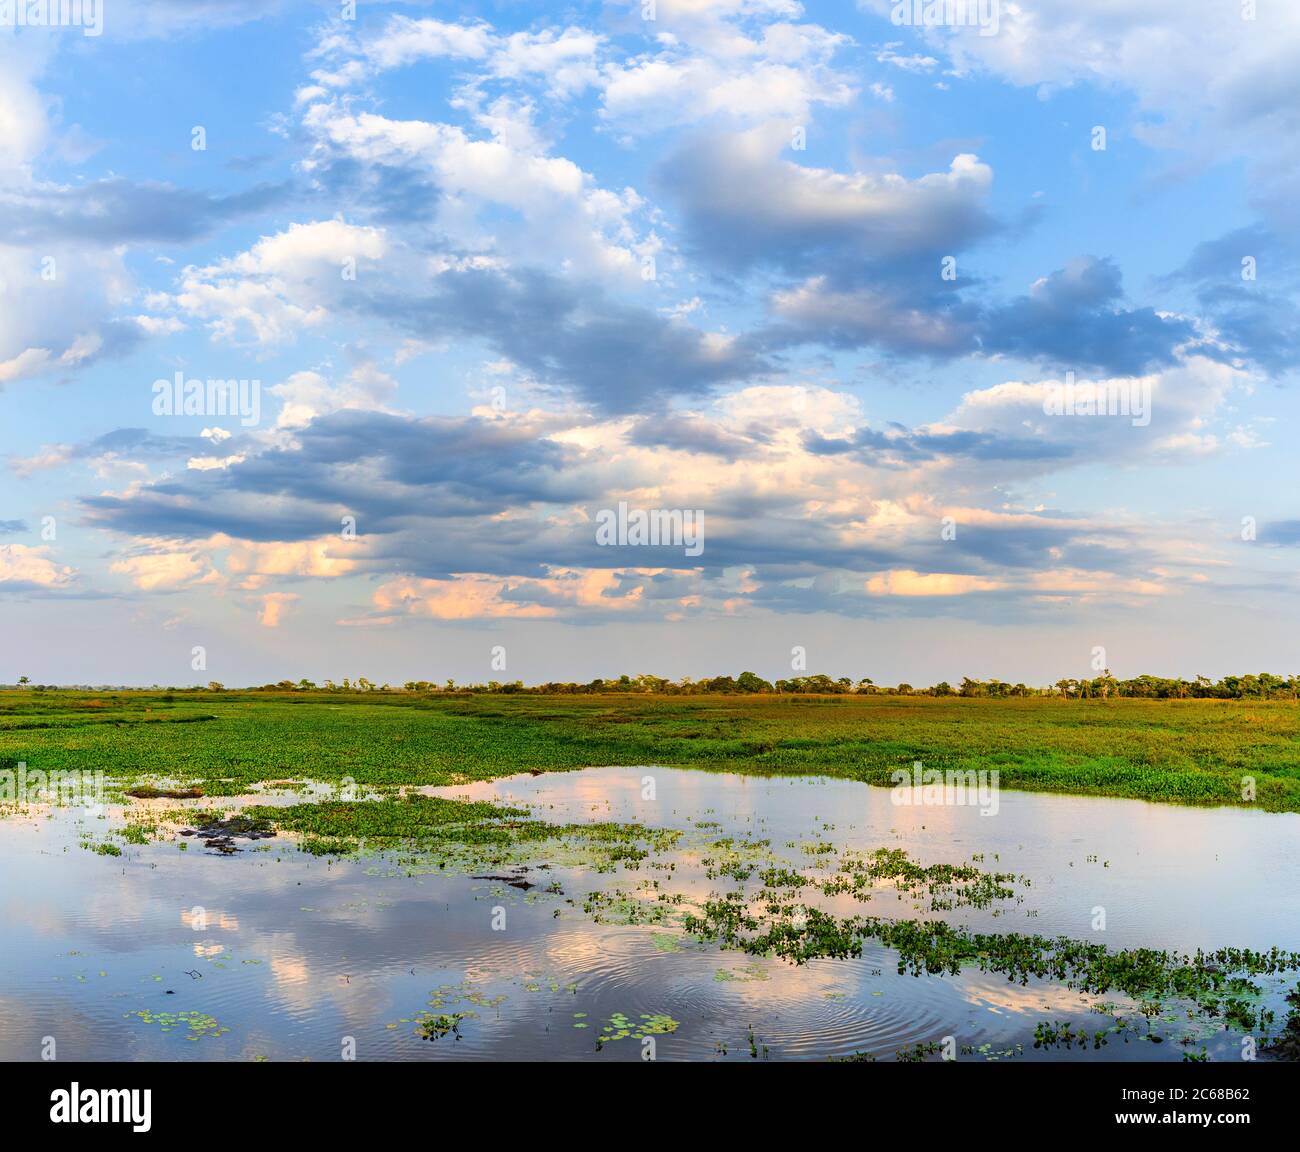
1209 78
614 355
274 606
866 253
281 286
460 182
745 205
64 276
808 507
736 65
308 394
1251 318
60 298
26 568
716 75
164 565
678 344
1076 315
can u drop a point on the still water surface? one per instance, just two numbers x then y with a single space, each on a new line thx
295 953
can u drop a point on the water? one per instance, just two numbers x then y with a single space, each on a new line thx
300 957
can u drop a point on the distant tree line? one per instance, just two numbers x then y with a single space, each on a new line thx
1264 686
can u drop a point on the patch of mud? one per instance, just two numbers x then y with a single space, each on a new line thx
221 835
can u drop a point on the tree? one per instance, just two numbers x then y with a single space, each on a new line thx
23 681
750 682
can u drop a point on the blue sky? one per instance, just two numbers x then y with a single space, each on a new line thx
496 267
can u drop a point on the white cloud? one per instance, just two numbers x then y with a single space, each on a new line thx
910 63
283 284
1206 78
564 216
308 394
275 605
404 41
24 123
1180 402
23 564
161 565
736 83
567 61
900 582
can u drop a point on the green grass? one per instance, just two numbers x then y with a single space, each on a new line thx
1188 752
471 831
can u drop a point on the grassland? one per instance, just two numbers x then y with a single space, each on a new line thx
1179 751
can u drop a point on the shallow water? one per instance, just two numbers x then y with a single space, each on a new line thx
294 954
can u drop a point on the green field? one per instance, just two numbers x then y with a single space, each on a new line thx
1180 751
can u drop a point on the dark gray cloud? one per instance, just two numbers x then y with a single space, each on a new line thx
1075 316
1263 328
744 206
436 497
866 254
695 434
117 210
989 548
385 470
1257 318
115 338
195 509
616 356
926 319
901 448
1220 259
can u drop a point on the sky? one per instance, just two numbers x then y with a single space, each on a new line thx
835 290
